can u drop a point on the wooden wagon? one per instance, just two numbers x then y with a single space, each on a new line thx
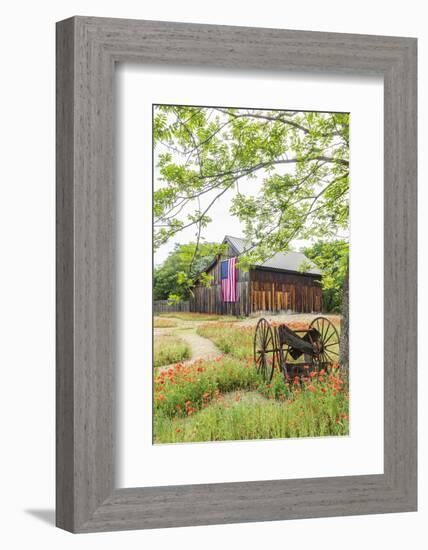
295 352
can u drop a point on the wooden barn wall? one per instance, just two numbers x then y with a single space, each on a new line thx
276 291
259 290
209 300
241 276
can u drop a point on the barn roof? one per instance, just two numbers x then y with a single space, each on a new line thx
288 261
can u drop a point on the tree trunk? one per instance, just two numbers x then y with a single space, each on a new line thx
344 327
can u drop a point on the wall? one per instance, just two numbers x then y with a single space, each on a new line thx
27 273
276 291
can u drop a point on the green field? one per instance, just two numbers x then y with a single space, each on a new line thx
168 349
226 399
163 323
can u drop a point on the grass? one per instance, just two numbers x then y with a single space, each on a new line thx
238 419
226 399
189 316
237 341
163 323
169 348
182 390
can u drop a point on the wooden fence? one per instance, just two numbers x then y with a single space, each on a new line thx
163 306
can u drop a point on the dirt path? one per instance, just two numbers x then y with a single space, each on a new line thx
200 347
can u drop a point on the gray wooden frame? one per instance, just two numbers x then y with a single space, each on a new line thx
87 50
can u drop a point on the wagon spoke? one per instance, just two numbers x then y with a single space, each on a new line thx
265 329
261 335
331 351
328 356
329 338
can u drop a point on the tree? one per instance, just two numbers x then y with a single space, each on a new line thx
288 171
293 165
174 278
344 333
332 259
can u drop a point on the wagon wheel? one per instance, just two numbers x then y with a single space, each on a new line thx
265 349
327 342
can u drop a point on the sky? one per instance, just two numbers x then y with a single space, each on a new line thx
223 222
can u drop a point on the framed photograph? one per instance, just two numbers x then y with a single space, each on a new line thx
236 274
241 348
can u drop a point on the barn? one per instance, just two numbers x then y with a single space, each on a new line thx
278 284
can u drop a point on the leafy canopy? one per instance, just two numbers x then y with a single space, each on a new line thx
286 172
173 280
332 259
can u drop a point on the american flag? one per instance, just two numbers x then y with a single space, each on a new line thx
228 280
